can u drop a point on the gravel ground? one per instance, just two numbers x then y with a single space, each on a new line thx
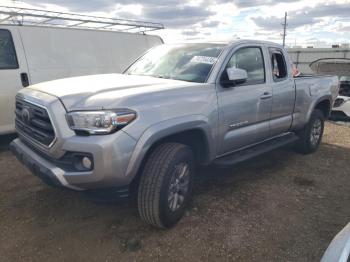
282 206
342 123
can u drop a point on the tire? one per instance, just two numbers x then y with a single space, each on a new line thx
169 169
309 137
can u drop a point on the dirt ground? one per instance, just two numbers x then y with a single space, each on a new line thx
282 206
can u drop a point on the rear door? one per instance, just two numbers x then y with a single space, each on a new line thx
13 75
244 109
283 89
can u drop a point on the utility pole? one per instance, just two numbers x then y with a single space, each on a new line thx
284 29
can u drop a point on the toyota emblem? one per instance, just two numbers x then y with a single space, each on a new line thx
25 114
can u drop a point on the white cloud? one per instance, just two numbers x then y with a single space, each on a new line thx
326 20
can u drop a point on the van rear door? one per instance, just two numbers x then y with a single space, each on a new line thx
13 75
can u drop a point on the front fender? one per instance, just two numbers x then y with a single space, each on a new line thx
164 129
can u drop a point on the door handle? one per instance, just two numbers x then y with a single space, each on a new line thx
24 79
266 95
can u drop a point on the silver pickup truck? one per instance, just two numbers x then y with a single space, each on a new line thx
176 107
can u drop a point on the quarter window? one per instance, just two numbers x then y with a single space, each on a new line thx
8 58
250 59
278 63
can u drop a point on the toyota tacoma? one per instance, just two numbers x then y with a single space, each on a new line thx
177 107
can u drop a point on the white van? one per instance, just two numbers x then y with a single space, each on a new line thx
33 54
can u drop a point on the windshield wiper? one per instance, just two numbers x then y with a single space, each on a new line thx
156 76
159 76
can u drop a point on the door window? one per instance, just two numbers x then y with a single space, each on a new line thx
278 63
250 59
8 58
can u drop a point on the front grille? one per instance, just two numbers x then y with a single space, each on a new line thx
34 122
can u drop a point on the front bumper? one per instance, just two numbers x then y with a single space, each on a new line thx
39 166
111 159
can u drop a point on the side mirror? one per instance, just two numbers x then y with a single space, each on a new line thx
235 76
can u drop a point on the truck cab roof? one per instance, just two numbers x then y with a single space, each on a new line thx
235 42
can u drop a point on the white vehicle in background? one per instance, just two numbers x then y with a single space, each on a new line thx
339 249
38 46
341 109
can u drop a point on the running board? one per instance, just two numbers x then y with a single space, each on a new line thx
256 150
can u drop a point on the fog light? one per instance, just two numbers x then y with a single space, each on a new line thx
86 162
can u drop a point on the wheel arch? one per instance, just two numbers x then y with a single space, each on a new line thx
323 104
325 107
192 131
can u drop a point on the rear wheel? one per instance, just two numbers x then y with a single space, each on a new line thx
166 185
311 135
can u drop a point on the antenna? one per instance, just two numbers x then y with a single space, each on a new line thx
284 29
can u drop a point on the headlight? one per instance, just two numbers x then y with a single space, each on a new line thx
99 122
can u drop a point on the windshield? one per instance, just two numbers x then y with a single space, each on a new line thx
187 62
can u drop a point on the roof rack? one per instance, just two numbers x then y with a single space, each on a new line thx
28 16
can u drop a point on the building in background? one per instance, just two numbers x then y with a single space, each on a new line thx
334 61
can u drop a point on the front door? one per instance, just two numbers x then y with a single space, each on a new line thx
244 109
13 75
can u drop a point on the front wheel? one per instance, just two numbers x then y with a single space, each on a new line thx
166 185
311 135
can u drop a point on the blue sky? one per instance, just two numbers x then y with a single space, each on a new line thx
312 22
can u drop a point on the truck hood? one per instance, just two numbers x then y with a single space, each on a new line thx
74 91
